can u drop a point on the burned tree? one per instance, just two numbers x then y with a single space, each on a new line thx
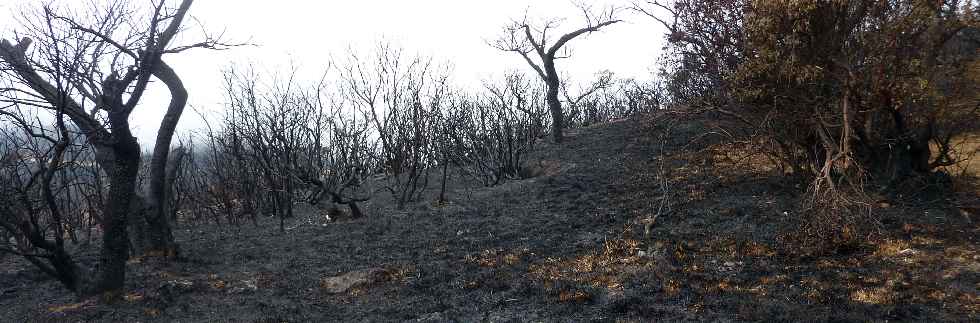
488 136
335 151
300 140
583 110
265 125
532 42
31 212
94 70
399 95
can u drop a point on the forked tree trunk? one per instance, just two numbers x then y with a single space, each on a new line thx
547 55
117 151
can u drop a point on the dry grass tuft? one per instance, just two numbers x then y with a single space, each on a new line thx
400 274
757 249
893 248
152 312
215 282
133 297
606 268
61 309
876 296
497 258
574 296
671 287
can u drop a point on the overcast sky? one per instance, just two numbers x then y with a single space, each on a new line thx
307 32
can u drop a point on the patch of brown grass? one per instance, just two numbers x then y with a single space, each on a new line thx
400 274
893 248
215 282
605 268
151 312
68 308
757 249
876 296
574 296
61 309
497 258
133 297
671 287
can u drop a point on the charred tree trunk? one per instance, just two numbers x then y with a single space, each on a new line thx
445 176
522 40
554 104
174 168
355 211
60 264
160 237
117 150
122 193
137 227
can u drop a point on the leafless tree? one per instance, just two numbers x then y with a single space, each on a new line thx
306 143
534 45
32 212
609 98
270 121
223 181
94 68
581 100
489 134
399 95
336 150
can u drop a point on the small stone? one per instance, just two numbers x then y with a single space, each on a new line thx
437 317
343 283
246 286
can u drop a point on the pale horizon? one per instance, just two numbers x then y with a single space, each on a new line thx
305 35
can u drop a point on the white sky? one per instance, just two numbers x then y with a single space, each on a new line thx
307 32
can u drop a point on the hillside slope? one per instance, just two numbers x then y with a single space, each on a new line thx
569 245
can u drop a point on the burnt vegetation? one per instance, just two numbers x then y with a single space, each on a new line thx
791 160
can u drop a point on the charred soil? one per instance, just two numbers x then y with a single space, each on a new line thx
627 223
